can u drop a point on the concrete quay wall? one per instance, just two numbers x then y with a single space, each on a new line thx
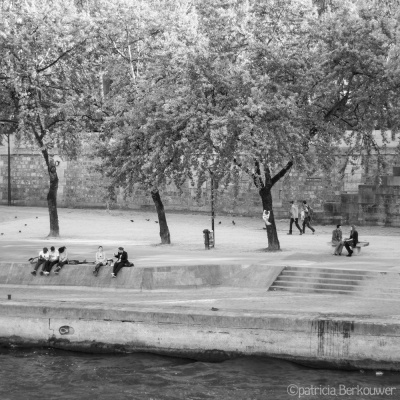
168 277
214 336
180 328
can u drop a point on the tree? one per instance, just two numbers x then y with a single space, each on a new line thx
140 44
45 47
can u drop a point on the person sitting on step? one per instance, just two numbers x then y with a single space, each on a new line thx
101 260
62 260
53 260
122 261
43 257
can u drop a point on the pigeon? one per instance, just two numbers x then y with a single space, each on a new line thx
2 233
132 220
219 223
37 217
26 224
233 223
15 217
156 222
147 219
19 231
214 309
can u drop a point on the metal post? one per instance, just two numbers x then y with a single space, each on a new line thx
212 206
9 171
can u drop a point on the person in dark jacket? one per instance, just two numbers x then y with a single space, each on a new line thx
307 218
122 261
352 241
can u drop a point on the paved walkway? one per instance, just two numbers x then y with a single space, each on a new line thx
227 301
83 230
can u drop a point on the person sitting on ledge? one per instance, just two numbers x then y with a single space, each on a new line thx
122 261
101 260
43 257
337 240
62 260
53 260
351 241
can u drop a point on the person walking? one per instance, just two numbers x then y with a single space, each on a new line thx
101 260
294 217
337 240
122 261
308 211
351 241
43 257
62 260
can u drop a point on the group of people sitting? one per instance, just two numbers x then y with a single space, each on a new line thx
348 243
48 259
58 258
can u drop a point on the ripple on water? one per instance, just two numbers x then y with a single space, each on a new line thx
56 374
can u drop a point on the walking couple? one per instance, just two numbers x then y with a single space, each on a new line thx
306 216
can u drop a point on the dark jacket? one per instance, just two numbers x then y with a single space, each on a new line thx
122 257
354 236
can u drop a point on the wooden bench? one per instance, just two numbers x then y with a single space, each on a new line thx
357 249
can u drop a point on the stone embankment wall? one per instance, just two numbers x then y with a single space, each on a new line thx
204 333
357 191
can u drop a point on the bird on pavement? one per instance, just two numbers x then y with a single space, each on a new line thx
147 219
233 223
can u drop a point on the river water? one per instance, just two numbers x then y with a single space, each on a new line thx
54 374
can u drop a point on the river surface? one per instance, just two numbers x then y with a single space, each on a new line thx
55 374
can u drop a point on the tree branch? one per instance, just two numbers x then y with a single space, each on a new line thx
59 57
281 173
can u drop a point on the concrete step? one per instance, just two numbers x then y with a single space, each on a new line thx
354 293
314 285
318 279
326 275
395 285
352 282
334 286
332 271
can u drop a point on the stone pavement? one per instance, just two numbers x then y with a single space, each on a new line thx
84 230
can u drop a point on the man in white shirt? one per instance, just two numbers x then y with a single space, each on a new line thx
43 257
53 260
294 217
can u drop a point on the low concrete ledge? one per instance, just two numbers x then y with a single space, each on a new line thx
335 342
145 277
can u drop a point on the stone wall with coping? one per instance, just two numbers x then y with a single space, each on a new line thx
341 194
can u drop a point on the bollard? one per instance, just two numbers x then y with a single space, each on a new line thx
206 235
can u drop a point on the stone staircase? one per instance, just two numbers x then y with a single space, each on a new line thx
372 284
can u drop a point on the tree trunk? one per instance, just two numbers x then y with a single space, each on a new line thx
164 231
52 200
266 197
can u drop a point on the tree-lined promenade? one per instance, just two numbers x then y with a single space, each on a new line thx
167 91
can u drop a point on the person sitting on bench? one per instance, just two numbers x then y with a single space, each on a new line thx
352 241
122 261
337 240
